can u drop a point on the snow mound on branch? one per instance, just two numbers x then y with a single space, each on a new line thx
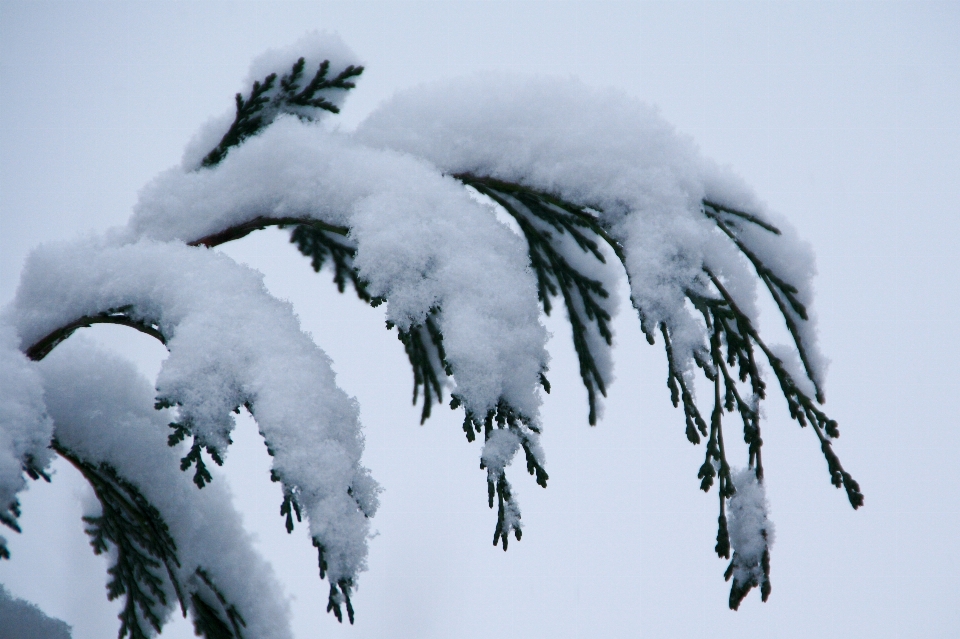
230 344
751 531
604 150
103 411
25 427
422 242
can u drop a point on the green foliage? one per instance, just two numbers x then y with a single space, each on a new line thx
8 517
144 547
182 430
147 563
504 417
540 215
208 617
268 99
739 589
322 243
10 513
423 344
339 595
146 566
730 360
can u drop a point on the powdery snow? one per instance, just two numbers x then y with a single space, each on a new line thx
25 427
230 344
604 150
103 412
422 242
425 244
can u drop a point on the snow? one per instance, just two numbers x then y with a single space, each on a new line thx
612 153
230 344
314 48
425 244
25 427
751 531
422 242
103 411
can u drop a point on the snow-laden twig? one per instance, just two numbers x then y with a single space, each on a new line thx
168 542
231 345
587 175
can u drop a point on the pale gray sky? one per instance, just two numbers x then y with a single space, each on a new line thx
842 115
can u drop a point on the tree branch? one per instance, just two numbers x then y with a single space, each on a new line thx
42 347
261 222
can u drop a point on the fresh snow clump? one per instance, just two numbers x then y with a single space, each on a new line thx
231 345
103 411
25 427
751 535
603 150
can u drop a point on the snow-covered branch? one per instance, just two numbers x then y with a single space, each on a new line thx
405 210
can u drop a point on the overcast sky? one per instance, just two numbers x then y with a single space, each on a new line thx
842 115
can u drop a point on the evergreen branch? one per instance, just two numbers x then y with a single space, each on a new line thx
248 120
289 507
261 222
423 344
8 517
308 96
742 215
679 391
715 463
801 406
504 417
207 619
740 589
555 275
340 594
339 591
267 101
143 546
184 429
723 532
121 315
10 513
783 293
585 219
750 416
321 242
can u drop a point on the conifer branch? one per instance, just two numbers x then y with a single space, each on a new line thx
184 429
534 212
679 391
144 547
801 406
261 222
10 513
504 417
423 344
146 559
208 617
783 293
121 315
339 591
8 517
321 242
269 99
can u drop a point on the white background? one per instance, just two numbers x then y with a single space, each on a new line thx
844 117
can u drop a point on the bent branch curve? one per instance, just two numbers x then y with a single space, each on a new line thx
42 347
